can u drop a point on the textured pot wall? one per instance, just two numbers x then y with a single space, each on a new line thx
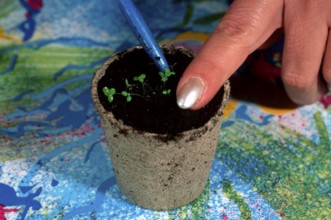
152 171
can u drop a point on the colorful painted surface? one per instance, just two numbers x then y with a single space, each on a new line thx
271 163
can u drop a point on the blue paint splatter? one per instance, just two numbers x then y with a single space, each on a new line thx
25 189
96 204
66 117
29 25
10 66
20 96
227 124
54 182
79 67
46 158
23 127
48 92
71 113
28 28
9 198
87 156
46 105
241 113
65 41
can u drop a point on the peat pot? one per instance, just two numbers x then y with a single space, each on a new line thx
161 154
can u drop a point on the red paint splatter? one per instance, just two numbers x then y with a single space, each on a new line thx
3 211
326 101
35 4
224 217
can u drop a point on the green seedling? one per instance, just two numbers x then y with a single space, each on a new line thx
128 85
166 91
166 75
164 78
111 92
127 95
140 78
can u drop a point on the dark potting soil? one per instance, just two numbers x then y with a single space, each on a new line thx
150 110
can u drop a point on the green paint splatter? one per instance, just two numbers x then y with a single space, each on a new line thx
195 210
288 169
35 68
322 131
200 205
187 17
7 7
237 199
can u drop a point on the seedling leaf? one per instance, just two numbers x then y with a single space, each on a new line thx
140 78
112 91
166 92
127 83
110 99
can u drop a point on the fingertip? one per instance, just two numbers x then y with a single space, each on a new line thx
198 85
305 94
189 94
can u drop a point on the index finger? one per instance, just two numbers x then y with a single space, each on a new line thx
246 26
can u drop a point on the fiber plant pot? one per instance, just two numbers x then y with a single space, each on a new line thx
161 154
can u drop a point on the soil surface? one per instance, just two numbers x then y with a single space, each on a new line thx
149 109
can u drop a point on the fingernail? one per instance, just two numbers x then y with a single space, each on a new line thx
190 93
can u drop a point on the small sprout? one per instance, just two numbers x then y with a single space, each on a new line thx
127 83
109 93
128 98
166 75
105 90
127 95
164 78
166 91
140 78
110 99
169 73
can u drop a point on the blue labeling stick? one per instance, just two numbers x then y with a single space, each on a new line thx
143 33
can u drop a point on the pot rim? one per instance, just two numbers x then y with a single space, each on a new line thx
130 129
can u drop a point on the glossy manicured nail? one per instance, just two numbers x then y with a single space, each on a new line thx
190 93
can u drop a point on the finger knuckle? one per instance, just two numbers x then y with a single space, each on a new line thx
238 29
232 29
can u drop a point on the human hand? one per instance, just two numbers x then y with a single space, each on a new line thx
248 25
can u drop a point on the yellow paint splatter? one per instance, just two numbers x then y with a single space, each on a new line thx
198 36
229 108
276 111
4 36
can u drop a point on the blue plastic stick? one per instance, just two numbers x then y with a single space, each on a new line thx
143 33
